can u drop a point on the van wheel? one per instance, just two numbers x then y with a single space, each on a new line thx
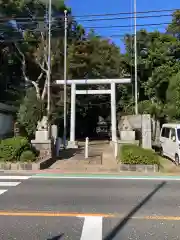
177 159
161 152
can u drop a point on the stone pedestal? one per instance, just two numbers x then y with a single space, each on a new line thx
43 144
45 147
127 135
142 125
41 136
72 144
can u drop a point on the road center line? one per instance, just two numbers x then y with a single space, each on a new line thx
53 214
96 217
166 218
92 228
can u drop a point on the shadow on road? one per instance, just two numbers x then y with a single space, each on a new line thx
123 222
56 237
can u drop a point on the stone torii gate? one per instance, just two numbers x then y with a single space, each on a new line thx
74 92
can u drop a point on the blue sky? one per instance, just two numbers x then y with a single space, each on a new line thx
86 7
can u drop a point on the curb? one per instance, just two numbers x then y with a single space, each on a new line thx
31 166
139 168
123 173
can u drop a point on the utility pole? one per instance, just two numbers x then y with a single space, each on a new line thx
49 63
65 76
135 59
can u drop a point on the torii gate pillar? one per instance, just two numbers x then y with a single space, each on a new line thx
113 112
73 115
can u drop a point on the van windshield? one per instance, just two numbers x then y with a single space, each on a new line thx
178 133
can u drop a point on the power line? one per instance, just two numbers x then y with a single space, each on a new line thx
95 27
120 36
56 29
124 18
90 15
29 21
123 26
126 13
17 40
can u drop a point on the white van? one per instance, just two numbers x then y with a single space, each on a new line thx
170 141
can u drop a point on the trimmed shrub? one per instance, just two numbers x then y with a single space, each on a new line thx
11 148
133 154
27 156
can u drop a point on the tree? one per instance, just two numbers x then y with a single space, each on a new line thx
11 86
164 62
38 53
24 38
93 58
28 27
30 112
158 56
174 27
173 98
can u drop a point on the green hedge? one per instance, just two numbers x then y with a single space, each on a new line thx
27 156
12 148
133 154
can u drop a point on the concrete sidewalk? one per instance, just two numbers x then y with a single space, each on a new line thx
101 159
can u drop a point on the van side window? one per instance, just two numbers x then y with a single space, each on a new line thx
173 133
165 132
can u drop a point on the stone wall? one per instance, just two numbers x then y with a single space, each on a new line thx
6 120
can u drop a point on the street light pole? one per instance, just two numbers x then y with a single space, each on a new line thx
65 75
49 60
135 59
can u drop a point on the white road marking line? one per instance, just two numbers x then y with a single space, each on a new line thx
8 177
92 228
9 184
2 191
108 178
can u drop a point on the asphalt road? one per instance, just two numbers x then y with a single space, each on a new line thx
91 209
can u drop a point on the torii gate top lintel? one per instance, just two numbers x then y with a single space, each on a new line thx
94 81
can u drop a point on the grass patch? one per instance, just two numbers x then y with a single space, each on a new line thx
133 154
